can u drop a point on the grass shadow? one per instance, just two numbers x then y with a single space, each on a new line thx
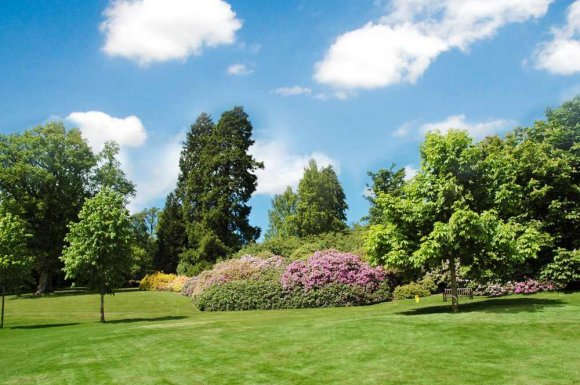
155 319
44 326
495 305
69 292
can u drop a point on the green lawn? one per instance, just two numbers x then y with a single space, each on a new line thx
159 338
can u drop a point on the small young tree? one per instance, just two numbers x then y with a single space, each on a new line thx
99 245
15 263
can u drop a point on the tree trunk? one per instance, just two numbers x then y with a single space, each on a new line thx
102 306
2 317
454 296
44 282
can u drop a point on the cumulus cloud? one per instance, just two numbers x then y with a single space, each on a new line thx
239 69
292 91
153 169
283 167
478 130
561 55
410 171
155 173
402 45
159 30
98 127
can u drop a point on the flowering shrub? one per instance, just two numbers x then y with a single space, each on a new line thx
410 291
527 287
177 284
329 267
244 268
262 295
531 286
157 281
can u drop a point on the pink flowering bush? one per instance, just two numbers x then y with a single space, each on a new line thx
245 268
529 286
331 267
532 286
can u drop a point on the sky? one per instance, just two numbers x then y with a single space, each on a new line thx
353 84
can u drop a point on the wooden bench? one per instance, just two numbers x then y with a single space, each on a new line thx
461 292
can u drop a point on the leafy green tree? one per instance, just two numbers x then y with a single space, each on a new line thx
171 237
217 178
99 245
45 176
15 262
383 181
109 174
282 215
321 205
439 217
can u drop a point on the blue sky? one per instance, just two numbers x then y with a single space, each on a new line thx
355 84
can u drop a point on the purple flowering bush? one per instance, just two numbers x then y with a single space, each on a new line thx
331 267
245 268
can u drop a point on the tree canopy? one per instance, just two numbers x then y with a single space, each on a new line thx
217 178
99 250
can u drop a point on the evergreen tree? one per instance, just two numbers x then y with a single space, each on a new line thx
170 236
216 181
321 205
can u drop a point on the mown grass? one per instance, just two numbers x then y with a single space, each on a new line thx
159 338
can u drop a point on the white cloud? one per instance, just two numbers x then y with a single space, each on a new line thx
410 171
98 127
239 69
291 91
282 167
155 173
401 45
159 30
477 130
561 55
153 169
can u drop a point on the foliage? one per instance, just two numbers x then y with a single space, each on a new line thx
383 182
331 267
160 281
565 269
245 268
410 291
263 295
321 204
171 238
292 247
108 172
450 212
99 252
282 215
15 259
216 180
45 176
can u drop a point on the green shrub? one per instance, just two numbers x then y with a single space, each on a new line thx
410 291
264 295
429 284
564 270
